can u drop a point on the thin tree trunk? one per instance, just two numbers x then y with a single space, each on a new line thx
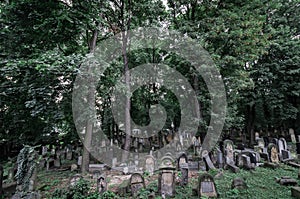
128 102
89 126
125 42
250 122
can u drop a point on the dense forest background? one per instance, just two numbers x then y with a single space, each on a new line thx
255 45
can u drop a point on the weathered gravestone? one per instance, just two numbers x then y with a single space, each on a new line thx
206 186
228 149
166 179
26 174
261 145
207 160
248 159
136 182
287 181
238 183
220 160
101 184
273 153
69 153
44 150
292 134
150 164
184 168
196 144
183 159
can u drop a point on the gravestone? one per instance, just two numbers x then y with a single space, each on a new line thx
150 164
1 179
101 184
261 143
228 149
69 154
292 134
44 150
49 163
256 136
193 165
183 159
27 173
166 179
207 160
57 162
246 162
220 160
238 183
137 182
273 153
79 161
206 186
196 144
286 155
184 168
280 148
287 181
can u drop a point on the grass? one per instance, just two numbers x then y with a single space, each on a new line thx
261 184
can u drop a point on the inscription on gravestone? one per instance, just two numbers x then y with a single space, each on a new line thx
206 186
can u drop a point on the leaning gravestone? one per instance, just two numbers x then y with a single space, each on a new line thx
166 179
136 183
207 160
26 174
206 186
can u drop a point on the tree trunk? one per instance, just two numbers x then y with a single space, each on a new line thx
197 103
125 42
128 102
89 125
250 122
